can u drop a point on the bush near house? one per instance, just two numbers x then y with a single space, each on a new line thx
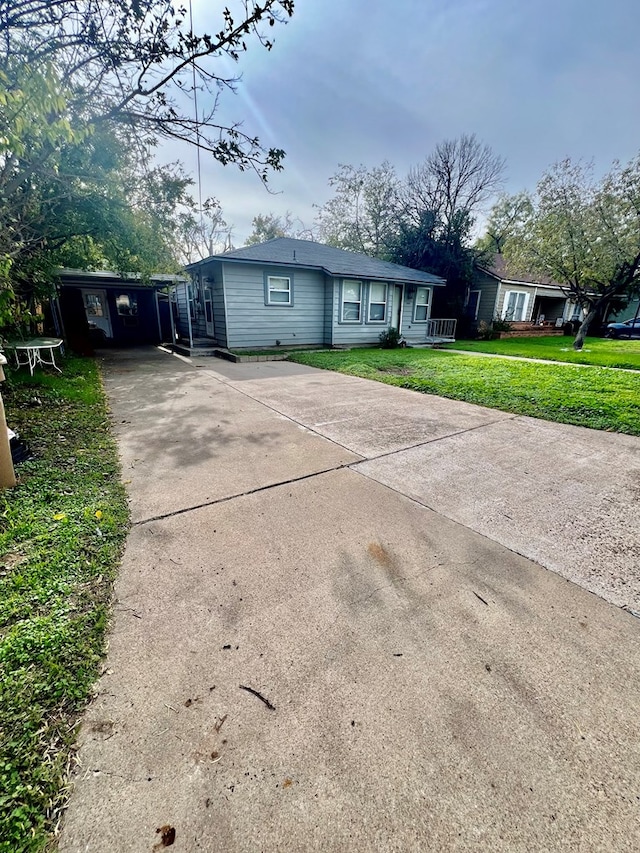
62 531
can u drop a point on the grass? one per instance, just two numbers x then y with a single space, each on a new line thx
600 351
597 398
62 531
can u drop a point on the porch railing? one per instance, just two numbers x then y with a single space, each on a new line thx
441 331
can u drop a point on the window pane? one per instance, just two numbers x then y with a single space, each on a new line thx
351 311
279 290
378 292
351 291
376 311
421 312
422 296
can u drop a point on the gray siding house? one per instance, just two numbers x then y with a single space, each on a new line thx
500 293
288 292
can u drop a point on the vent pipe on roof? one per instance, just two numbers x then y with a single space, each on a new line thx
294 254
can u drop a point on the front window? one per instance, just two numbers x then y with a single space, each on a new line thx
377 302
515 304
421 312
351 301
279 290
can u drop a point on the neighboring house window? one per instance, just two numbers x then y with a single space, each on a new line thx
421 307
278 290
377 302
515 305
351 301
127 304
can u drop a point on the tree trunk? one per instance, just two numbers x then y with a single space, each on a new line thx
584 328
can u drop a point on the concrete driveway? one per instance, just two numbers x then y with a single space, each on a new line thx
413 683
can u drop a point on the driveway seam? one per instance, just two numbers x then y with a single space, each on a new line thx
311 429
434 440
228 498
288 417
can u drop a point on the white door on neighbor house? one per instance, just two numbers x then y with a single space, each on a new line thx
208 312
396 312
97 310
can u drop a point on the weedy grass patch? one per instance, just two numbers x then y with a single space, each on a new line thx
62 531
595 397
599 351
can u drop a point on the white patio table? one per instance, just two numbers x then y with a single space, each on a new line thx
34 351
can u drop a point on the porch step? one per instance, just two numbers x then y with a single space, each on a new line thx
195 351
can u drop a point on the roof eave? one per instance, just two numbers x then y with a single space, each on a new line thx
436 281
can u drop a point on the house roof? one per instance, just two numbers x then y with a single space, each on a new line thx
285 251
500 268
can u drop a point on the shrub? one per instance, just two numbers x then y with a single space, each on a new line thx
389 339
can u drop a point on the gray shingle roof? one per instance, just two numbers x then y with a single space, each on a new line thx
285 251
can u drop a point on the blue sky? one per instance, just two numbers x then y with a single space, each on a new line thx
361 81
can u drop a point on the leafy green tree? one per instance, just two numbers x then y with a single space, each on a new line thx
202 233
86 89
269 226
584 234
362 216
505 214
142 63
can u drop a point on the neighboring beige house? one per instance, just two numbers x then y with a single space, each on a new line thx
498 293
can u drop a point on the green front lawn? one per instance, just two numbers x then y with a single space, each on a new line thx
597 398
62 531
601 351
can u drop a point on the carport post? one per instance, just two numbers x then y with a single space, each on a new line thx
188 295
155 299
172 292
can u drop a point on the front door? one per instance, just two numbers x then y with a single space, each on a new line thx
97 311
396 313
208 312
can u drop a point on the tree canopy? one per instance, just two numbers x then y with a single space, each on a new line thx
362 215
269 226
87 88
583 233
424 220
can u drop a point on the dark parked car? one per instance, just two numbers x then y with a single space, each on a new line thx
628 329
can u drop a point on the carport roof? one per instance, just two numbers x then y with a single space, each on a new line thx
286 251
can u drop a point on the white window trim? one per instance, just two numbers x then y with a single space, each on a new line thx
525 305
385 303
351 301
427 306
271 289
